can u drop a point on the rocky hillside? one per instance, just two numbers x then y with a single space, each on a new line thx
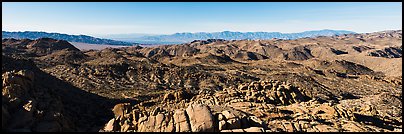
261 106
389 52
321 84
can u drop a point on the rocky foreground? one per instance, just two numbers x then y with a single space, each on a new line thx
346 83
263 106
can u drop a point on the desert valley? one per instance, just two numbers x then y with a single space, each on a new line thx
341 83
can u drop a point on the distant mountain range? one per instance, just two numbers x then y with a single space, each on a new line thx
227 35
71 38
177 38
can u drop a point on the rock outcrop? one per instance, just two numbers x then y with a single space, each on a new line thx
24 110
389 52
243 109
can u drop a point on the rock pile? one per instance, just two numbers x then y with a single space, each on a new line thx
24 108
194 118
260 106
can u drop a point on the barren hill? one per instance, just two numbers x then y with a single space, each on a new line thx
349 82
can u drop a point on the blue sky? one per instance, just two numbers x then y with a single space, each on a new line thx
97 18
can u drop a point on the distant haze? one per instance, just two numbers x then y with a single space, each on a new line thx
178 38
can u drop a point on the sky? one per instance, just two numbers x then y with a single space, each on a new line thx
101 18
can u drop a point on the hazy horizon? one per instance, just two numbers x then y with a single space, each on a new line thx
193 32
111 18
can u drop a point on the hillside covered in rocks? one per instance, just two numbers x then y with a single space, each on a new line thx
344 83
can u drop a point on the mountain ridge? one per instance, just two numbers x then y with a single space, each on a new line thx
176 38
185 37
71 38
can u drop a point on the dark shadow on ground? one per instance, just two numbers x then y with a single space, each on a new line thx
87 111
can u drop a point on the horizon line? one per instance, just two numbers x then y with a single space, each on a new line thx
153 34
191 32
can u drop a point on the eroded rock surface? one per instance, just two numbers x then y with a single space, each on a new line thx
226 111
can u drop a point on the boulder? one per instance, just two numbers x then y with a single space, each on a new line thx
147 125
110 126
254 121
201 118
121 109
254 129
325 112
167 123
162 122
181 122
233 122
